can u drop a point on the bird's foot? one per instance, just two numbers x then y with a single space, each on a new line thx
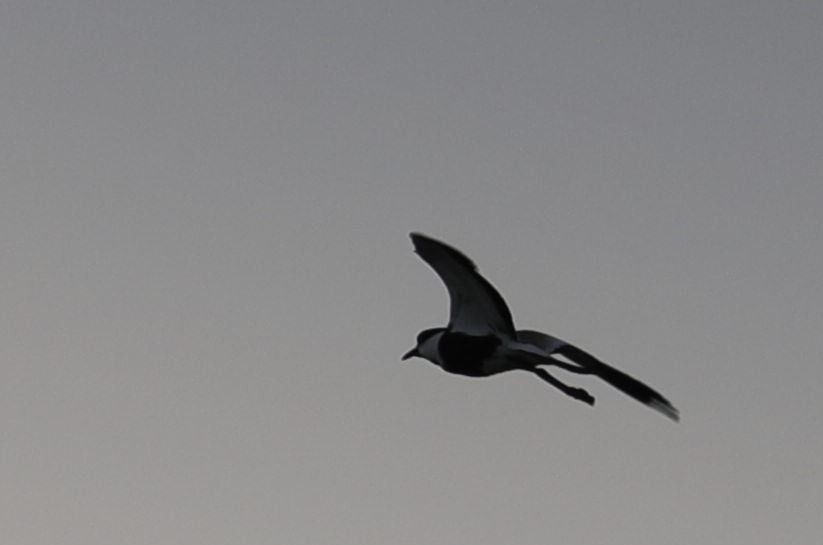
581 394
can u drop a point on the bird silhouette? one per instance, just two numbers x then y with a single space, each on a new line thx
480 339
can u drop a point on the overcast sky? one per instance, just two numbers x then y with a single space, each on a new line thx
207 280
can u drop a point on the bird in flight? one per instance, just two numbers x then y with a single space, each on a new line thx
480 339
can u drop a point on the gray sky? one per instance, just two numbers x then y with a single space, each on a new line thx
208 284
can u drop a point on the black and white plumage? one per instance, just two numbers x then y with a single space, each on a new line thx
480 339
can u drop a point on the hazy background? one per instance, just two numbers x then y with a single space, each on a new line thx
207 282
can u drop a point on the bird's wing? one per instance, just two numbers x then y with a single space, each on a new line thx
545 342
476 307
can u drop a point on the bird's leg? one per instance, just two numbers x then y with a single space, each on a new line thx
576 393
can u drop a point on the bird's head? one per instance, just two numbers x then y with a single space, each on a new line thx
426 345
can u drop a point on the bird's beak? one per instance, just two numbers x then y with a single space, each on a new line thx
410 354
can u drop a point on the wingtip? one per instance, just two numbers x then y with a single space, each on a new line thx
419 239
416 237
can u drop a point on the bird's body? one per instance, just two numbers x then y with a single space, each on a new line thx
480 339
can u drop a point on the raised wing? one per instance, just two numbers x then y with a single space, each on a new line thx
476 307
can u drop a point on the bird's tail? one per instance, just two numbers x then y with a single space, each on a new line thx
620 380
636 389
